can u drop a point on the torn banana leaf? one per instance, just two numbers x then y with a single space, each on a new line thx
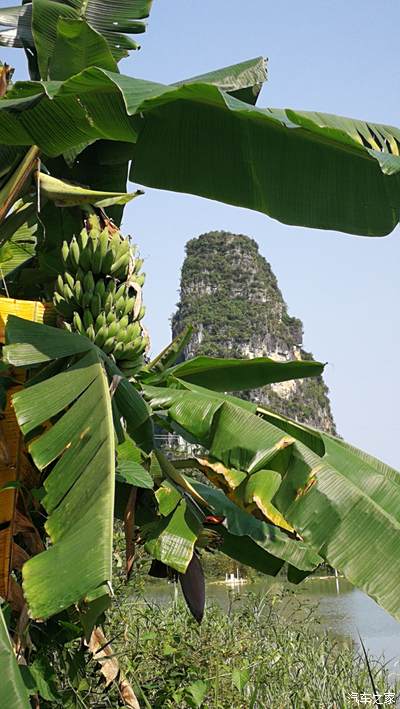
79 488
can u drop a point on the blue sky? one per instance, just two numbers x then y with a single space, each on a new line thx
339 57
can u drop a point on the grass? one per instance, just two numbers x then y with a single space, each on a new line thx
264 653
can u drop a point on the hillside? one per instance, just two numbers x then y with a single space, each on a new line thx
230 295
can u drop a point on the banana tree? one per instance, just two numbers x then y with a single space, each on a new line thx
267 491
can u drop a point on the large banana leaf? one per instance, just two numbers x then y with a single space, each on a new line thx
78 450
79 496
311 169
343 503
12 689
34 24
238 374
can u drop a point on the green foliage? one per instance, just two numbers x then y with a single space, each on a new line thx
265 652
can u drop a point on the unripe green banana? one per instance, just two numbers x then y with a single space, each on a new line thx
120 306
100 288
121 265
96 258
121 292
77 322
132 349
88 283
107 262
142 312
124 322
122 335
133 330
115 243
129 305
130 367
95 305
68 278
111 287
80 275
84 259
90 333
101 336
109 303
78 292
108 345
60 285
103 242
100 321
83 239
86 298
140 279
118 349
65 252
68 294
113 329
87 318
111 317
138 265
74 253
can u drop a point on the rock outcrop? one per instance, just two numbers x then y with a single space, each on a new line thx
230 295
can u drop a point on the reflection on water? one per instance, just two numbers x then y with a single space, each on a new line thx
347 614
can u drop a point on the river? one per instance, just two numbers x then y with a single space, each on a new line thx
347 614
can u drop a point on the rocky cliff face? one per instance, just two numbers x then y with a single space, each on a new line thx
231 297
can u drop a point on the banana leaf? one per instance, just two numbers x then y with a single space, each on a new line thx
238 374
310 169
171 540
18 237
270 539
79 489
12 689
244 80
343 503
34 24
78 46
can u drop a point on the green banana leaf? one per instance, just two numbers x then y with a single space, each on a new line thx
242 525
34 24
129 468
170 354
246 551
244 80
18 237
12 689
79 445
30 343
79 496
238 374
172 539
344 504
310 169
78 46
349 512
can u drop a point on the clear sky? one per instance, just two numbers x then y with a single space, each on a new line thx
336 56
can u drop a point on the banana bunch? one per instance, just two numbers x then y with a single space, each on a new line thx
99 293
